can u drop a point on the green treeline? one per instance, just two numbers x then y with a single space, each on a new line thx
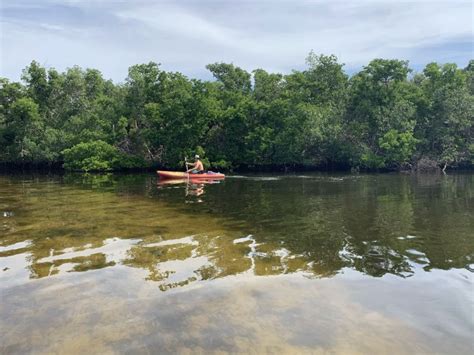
383 117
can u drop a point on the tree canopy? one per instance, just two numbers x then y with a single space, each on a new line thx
383 117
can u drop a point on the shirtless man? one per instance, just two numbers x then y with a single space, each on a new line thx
197 167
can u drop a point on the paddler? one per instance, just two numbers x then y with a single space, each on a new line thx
197 167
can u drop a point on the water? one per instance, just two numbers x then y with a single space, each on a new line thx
311 263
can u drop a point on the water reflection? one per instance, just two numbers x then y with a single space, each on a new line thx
313 264
193 190
318 226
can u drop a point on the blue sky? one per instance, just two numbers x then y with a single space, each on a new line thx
275 35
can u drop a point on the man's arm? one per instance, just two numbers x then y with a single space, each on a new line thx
192 168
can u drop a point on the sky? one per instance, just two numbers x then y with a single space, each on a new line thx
276 35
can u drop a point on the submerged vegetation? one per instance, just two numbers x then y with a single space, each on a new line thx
383 117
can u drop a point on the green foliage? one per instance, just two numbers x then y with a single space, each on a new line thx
23 133
398 147
382 114
92 156
381 117
447 127
222 164
232 78
371 160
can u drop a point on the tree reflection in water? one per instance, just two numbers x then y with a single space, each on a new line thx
318 225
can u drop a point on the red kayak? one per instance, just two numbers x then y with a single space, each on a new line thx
182 175
200 182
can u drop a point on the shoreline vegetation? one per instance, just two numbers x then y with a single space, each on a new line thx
383 118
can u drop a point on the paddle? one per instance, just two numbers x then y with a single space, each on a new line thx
186 166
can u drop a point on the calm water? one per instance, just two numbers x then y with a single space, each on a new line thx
254 264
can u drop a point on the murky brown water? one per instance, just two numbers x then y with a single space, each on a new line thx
257 264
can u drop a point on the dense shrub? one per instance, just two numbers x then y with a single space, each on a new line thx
91 156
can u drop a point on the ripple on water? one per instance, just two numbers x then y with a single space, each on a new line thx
264 178
408 237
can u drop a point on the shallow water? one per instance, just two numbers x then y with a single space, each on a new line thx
310 263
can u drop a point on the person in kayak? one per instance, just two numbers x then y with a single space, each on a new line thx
197 167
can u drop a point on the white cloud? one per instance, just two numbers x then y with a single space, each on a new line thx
176 22
186 35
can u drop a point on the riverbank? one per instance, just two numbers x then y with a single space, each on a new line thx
58 168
